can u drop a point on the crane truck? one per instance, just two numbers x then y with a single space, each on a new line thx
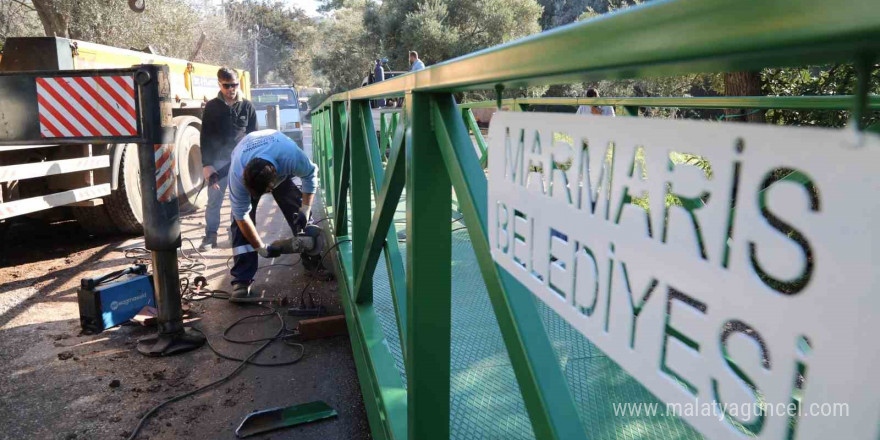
100 182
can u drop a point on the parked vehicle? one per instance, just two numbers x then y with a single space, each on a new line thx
285 97
304 94
101 182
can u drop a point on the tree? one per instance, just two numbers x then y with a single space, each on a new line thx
53 15
171 27
443 29
283 34
345 56
18 19
600 7
743 84
561 12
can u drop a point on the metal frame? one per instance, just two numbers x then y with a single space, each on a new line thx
155 134
22 129
433 130
21 98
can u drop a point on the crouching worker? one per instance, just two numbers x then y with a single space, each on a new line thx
265 161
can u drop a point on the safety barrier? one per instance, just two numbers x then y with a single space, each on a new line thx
423 337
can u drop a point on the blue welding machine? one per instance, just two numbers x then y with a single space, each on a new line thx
105 302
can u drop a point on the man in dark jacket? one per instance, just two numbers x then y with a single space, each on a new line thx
379 75
225 121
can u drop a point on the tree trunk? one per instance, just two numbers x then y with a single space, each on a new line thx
54 21
743 84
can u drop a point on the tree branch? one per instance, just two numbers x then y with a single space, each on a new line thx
25 5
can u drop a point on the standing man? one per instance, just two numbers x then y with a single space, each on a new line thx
417 64
225 121
265 161
602 110
379 75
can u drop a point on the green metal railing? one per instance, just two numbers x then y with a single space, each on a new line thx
430 153
389 118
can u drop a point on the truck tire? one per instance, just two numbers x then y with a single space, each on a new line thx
189 164
124 204
95 220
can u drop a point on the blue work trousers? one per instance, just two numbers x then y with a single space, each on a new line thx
245 258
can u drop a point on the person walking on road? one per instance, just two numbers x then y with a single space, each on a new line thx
417 64
225 121
265 161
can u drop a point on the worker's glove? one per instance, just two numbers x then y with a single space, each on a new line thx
302 218
271 251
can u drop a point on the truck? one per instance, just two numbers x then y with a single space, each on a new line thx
305 93
289 115
99 183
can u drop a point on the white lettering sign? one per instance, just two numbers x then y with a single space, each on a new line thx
715 262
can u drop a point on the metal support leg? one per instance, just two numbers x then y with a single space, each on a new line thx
161 215
428 276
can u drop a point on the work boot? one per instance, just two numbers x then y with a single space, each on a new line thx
208 242
241 292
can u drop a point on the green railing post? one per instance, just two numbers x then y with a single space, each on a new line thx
383 135
429 275
395 121
317 148
360 190
341 161
328 151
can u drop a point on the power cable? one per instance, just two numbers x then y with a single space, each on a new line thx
243 362
283 333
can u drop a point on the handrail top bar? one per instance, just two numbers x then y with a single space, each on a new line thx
647 40
84 72
827 102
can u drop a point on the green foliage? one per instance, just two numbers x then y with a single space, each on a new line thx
606 6
451 28
346 53
18 20
166 25
438 29
839 79
424 29
170 27
561 12
316 100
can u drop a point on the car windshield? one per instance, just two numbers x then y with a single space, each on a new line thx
286 98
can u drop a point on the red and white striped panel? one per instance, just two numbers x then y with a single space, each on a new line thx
166 180
82 106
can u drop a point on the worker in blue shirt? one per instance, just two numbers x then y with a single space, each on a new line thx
265 161
417 64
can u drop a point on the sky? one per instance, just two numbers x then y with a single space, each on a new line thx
310 6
